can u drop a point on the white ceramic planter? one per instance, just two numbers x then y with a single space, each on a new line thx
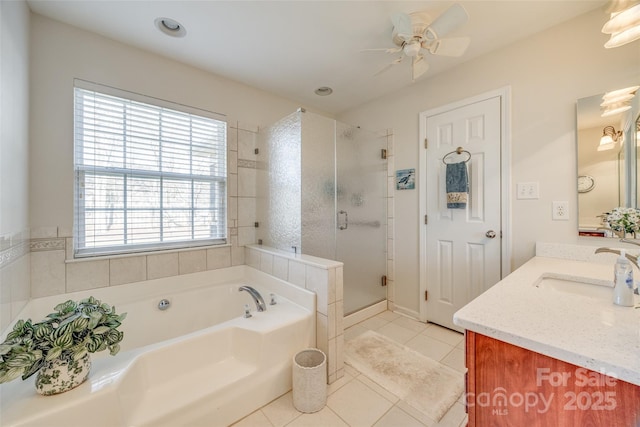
62 374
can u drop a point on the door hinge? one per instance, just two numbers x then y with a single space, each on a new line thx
426 295
256 224
256 151
384 281
426 143
383 153
426 219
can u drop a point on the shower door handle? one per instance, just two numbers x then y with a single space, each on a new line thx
343 225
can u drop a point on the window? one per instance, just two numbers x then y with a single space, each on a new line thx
148 174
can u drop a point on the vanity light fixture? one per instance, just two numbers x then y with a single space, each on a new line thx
170 27
624 27
609 138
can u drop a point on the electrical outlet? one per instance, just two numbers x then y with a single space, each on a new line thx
560 211
528 190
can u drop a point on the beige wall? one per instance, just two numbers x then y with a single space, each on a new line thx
60 53
14 156
546 73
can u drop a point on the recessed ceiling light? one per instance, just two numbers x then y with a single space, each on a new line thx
170 27
324 91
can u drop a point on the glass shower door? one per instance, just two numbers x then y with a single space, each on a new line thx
361 208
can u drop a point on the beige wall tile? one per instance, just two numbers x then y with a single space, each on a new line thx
192 261
127 270
87 275
47 273
218 258
162 265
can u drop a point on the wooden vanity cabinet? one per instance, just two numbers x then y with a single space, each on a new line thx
508 385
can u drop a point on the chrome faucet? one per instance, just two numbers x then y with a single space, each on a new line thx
257 298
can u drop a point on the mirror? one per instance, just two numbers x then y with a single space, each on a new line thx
607 174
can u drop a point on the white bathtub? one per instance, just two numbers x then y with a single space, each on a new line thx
198 363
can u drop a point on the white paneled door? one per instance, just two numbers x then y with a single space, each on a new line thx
462 247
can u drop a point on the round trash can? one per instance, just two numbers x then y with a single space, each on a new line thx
309 380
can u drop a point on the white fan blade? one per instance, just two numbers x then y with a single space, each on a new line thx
455 46
402 26
386 50
394 62
450 19
418 67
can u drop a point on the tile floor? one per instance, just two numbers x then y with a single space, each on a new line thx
356 401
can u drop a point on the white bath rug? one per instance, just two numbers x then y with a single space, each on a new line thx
426 385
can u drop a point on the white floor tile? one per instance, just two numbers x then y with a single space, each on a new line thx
453 417
397 333
358 405
340 382
281 411
443 334
378 389
455 360
323 418
414 325
430 347
373 323
389 316
396 417
353 331
256 419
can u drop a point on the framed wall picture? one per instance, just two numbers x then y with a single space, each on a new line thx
406 179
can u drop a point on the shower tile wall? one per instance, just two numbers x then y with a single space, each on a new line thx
53 270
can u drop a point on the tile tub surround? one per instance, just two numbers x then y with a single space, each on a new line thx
15 275
55 271
324 277
588 332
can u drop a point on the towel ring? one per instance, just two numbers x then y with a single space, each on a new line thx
458 150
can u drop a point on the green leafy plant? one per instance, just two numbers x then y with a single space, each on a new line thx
75 329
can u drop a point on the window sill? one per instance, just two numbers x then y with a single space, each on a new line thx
144 253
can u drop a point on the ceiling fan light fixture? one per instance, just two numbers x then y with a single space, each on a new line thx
624 27
170 27
412 48
323 91
620 92
618 99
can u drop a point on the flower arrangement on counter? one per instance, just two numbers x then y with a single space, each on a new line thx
623 220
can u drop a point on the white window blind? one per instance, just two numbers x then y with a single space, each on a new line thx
148 176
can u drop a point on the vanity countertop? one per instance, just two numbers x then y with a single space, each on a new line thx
588 332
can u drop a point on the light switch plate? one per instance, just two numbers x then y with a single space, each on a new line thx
560 211
527 190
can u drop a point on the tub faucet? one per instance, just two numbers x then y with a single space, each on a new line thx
257 298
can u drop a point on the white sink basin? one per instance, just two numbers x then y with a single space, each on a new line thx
593 288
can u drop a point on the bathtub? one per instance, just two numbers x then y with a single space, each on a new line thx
197 363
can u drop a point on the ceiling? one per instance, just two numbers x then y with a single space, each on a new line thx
290 48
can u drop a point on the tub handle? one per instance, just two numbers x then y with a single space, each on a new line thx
247 311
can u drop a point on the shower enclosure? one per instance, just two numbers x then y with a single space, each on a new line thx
322 191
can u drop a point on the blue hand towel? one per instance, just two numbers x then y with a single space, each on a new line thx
457 185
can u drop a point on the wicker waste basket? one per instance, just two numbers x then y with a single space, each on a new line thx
309 380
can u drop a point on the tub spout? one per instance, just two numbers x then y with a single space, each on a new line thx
257 298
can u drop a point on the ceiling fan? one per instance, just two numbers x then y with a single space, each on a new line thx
416 34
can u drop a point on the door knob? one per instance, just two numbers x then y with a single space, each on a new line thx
490 234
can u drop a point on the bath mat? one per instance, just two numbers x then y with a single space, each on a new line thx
428 386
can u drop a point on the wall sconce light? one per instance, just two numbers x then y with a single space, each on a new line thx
624 26
609 138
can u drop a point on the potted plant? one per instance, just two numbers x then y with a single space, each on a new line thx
58 347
